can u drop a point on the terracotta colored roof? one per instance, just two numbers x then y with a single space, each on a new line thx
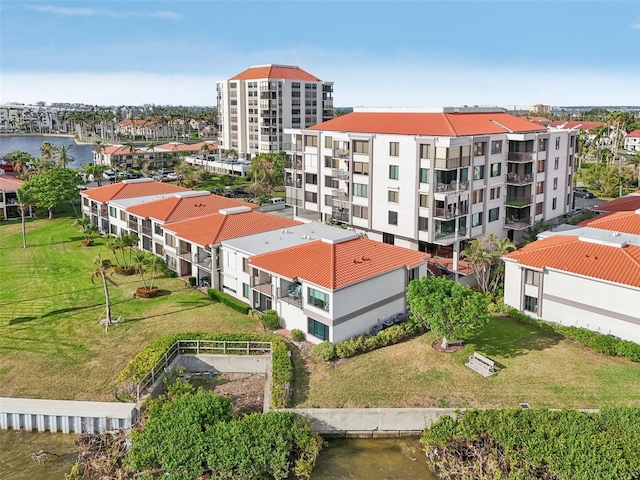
441 124
9 183
284 72
634 134
119 150
217 227
577 125
128 189
628 203
623 222
183 147
176 208
542 120
570 254
139 122
335 266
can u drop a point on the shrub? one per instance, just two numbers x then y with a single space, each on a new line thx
324 350
143 292
346 349
229 301
192 281
271 320
298 335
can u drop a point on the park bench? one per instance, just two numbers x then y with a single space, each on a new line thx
481 364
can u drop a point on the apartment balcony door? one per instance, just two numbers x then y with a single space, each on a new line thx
261 302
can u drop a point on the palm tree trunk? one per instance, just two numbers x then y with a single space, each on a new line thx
445 345
24 228
107 301
50 213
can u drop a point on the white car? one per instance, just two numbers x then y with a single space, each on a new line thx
109 175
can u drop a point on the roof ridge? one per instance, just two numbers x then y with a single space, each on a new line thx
214 240
574 238
446 117
334 266
631 257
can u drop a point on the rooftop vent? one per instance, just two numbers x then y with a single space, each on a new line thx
234 210
193 193
138 180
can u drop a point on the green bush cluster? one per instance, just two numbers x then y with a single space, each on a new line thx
536 443
325 350
271 320
229 301
298 335
281 366
600 343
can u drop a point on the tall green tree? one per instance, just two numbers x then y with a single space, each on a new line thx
448 308
485 258
24 203
96 171
267 172
102 267
62 154
50 188
47 151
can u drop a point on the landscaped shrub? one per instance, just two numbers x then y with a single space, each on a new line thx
281 366
600 343
298 335
271 320
325 350
192 281
229 301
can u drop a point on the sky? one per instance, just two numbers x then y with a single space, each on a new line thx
377 53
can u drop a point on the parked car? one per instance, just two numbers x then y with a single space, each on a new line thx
109 175
7 167
583 193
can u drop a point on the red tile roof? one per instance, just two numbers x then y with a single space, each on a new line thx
9 183
623 222
441 124
183 147
570 254
129 189
335 266
577 125
176 208
634 134
628 203
216 227
284 72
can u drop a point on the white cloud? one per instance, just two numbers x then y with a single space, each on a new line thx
636 25
92 12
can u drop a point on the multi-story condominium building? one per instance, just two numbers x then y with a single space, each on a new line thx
632 141
160 155
9 198
255 107
431 181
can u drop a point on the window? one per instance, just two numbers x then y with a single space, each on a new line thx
477 196
311 197
556 163
494 193
328 142
542 145
360 190
159 249
158 229
423 224
389 238
361 146
424 151
311 178
310 141
539 187
245 290
123 215
571 140
360 211
394 172
85 201
331 182
394 149
539 208
393 218
554 203
478 172
541 166
496 169
424 175
496 147
423 200
112 212
557 143
555 183
531 277
494 214
531 304
361 168
245 265
478 149
330 162
571 160
568 199
169 240
476 219
317 329
393 196
318 299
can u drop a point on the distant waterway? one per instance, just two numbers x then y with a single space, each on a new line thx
31 144
353 459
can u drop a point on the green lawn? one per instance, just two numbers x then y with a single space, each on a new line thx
51 345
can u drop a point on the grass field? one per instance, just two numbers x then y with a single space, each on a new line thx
51 345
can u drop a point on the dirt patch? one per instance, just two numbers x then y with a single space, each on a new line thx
246 390
452 346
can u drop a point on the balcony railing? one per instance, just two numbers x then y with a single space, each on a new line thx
94 209
516 223
297 165
133 225
184 254
341 153
452 163
292 298
450 212
146 231
515 179
521 156
335 193
518 202
453 186
262 284
447 238
293 183
203 261
295 202
340 174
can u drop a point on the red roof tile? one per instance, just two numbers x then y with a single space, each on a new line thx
623 222
216 227
628 203
9 183
576 125
176 208
441 124
129 189
634 134
570 254
284 72
335 266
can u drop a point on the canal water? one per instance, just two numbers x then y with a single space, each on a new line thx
32 143
353 459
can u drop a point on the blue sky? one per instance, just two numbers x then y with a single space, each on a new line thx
378 53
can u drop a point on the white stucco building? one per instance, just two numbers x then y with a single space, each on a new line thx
632 141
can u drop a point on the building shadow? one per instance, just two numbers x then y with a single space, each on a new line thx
28 318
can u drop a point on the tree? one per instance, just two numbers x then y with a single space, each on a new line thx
46 152
102 267
88 230
95 171
50 188
602 177
485 257
62 153
148 263
24 203
450 309
267 172
125 245
21 161
187 174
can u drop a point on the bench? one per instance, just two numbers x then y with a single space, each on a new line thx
481 364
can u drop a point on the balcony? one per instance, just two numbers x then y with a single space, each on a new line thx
262 284
289 182
184 254
517 223
517 201
146 231
340 174
515 179
104 213
291 296
341 153
450 212
132 225
203 261
452 187
338 194
521 157
448 238
290 164
452 163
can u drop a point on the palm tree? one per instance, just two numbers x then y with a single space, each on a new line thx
102 267
635 164
24 203
46 151
96 171
61 152
132 150
88 229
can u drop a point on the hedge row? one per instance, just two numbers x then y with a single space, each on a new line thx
281 367
366 343
600 343
229 301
